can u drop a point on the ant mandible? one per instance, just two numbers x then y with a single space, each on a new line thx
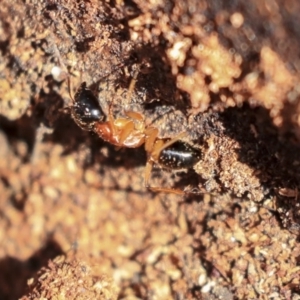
131 132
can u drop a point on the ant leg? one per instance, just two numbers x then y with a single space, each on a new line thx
132 86
111 120
148 170
135 116
127 128
150 144
150 139
147 175
167 190
70 89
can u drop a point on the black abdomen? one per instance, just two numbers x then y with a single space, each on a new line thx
179 155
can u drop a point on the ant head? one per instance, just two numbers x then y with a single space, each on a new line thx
86 109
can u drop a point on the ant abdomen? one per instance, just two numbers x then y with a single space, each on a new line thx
86 109
179 155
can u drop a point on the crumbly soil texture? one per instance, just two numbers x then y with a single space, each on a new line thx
76 221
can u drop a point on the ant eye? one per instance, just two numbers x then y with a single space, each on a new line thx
86 109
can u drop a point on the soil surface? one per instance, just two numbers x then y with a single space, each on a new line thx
76 220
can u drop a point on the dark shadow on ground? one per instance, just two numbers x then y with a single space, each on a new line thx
274 157
15 273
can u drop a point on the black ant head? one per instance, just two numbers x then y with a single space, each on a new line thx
86 110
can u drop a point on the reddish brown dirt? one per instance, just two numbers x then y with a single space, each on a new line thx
77 222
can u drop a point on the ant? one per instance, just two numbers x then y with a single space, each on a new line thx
131 132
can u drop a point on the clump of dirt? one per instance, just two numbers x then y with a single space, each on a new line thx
52 281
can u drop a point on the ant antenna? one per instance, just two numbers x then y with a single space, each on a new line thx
132 84
63 66
69 88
